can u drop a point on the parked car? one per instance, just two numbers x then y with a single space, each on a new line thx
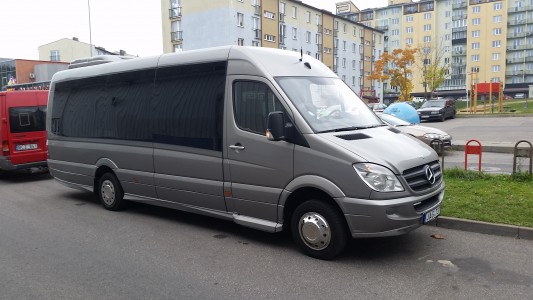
377 107
426 134
520 96
507 97
437 110
419 99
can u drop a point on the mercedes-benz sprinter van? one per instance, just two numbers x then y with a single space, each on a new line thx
268 138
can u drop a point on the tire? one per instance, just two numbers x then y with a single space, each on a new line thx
110 192
443 118
319 229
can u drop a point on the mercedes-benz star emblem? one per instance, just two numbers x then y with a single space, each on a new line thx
429 174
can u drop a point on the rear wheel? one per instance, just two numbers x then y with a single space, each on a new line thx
110 192
319 229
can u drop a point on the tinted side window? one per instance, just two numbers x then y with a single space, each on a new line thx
27 119
187 106
252 102
110 106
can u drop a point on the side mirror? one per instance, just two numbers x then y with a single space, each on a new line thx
275 126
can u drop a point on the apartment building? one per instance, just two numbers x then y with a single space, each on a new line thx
347 47
480 40
67 50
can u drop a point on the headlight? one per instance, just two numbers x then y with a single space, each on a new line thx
378 178
433 136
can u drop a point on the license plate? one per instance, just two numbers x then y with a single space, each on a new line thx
431 215
424 117
25 147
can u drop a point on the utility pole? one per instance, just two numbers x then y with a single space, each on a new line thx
90 31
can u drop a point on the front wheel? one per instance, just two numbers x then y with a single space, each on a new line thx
319 229
110 192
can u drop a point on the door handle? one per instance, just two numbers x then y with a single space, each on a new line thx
237 147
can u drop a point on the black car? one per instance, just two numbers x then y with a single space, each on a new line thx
437 110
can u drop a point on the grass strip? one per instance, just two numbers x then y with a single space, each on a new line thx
502 198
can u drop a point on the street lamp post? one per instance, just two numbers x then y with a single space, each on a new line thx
90 31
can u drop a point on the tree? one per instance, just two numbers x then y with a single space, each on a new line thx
396 67
433 66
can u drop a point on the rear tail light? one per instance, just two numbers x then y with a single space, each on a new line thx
5 148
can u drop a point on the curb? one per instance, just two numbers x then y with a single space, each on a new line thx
517 232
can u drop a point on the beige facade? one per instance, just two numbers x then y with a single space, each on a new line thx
67 50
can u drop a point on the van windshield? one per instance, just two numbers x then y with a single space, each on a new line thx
328 104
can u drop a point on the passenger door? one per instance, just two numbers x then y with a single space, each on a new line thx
187 134
258 169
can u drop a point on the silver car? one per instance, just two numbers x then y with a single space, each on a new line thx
435 138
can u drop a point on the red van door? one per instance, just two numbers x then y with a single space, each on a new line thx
26 111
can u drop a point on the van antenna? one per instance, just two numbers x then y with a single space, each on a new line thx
301 54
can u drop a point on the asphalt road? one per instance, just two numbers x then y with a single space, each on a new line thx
487 129
59 243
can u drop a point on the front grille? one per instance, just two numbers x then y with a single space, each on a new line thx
417 179
426 204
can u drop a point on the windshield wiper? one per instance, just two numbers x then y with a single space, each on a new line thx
352 128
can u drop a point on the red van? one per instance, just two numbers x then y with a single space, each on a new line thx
23 129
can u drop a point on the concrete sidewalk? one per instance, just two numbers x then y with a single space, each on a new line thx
496 147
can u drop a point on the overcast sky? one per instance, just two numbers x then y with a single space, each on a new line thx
134 26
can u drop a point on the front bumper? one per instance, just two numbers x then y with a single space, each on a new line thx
379 218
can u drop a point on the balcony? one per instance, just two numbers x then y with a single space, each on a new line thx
459 29
459 17
459 41
176 36
519 9
518 47
459 65
519 60
516 22
459 53
462 4
282 18
458 76
382 27
174 12
518 73
518 35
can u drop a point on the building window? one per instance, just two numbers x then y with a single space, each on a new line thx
294 12
427 16
409 29
308 37
240 20
475 45
269 15
240 41
54 55
475 57
497 31
270 38
343 45
294 33
427 39
308 17
395 32
496 44
497 6
475 33
497 19
495 56
178 48
409 41
476 9
496 68
476 21
409 19
255 43
427 27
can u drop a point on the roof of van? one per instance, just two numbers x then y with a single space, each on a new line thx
255 61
